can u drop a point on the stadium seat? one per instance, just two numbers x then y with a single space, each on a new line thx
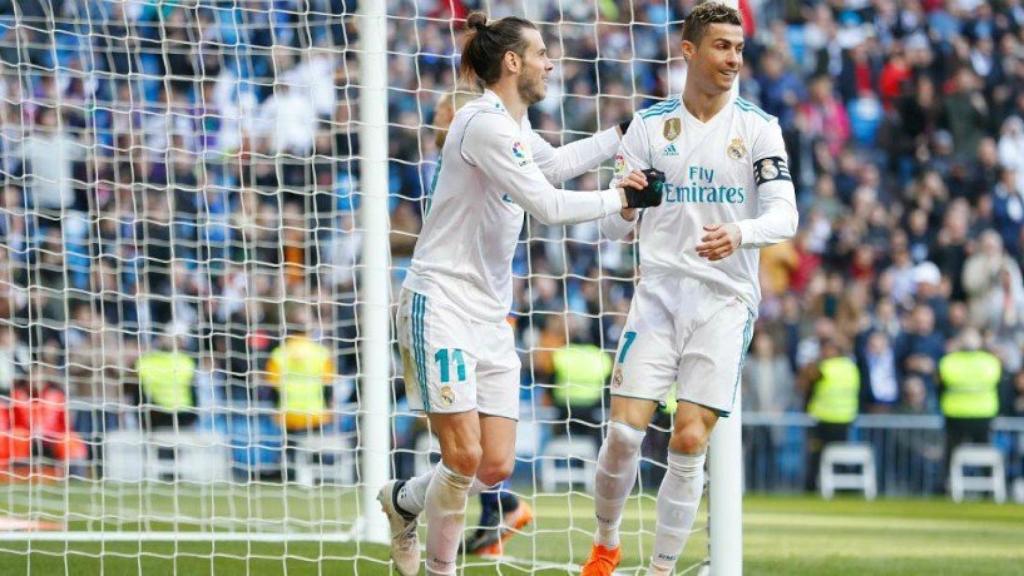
977 456
135 456
325 459
564 450
187 455
1018 490
850 454
124 453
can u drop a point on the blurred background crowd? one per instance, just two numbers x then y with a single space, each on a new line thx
182 178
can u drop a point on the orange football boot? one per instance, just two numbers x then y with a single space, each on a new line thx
513 522
602 561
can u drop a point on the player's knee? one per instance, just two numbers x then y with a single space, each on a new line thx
464 459
689 439
623 439
491 473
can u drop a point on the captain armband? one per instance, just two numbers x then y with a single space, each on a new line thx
771 168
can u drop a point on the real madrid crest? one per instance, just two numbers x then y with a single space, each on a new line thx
447 395
736 149
672 128
769 171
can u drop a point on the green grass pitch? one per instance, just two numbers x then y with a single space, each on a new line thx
783 535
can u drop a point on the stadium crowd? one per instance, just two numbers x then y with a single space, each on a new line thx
186 179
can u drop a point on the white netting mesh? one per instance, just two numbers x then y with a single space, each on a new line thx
180 200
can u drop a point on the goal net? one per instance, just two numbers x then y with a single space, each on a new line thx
186 223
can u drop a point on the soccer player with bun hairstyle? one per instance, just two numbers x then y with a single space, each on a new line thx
458 352
497 522
728 192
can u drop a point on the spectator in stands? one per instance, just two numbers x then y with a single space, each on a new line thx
8 359
768 383
1011 147
1014 403
165 376
931 289
880 385
824 116
768 389
38 410
967 111
302 371
970 377
918 349
991 279
831 387
288 118
914 397
49 152
1008 210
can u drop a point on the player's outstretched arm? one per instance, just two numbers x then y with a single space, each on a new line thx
492 144
569 161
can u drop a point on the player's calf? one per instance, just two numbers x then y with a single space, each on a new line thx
616 474
678 499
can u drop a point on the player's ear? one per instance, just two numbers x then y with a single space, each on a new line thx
512 61
688 49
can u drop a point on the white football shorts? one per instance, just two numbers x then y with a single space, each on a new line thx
452 364
686 332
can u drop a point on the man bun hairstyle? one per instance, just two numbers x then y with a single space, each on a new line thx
706 14
484 46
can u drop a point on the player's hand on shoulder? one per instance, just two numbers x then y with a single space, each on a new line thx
719 241
642 189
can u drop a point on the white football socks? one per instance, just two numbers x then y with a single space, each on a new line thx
413 494
678 499
445 510
616 473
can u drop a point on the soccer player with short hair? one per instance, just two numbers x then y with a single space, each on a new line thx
727 192
458 351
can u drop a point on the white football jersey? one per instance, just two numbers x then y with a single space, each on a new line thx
493 170
733 168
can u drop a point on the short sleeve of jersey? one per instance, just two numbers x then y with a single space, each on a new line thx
634 150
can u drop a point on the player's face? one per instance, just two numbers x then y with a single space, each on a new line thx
716 62
536 67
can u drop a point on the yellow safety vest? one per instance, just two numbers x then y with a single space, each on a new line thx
299 366
166 379
835 396
580 372
970 381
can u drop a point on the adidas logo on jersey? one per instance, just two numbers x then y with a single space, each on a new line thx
670 150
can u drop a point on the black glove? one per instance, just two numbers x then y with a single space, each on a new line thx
651 194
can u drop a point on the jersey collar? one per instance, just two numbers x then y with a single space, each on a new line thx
495 101
691 118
